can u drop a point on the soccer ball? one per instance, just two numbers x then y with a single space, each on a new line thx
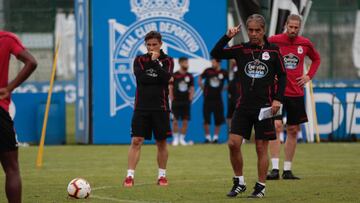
79 188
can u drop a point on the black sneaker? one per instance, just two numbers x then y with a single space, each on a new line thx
259 191
207 141
273 175
215 141
288 175
236 189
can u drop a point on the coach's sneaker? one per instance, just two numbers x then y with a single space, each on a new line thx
273 175
162 181
129 181
259 191
236 189
288 175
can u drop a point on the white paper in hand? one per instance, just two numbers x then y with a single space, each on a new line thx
266 113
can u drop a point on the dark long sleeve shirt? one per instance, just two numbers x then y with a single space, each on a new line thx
152 80
258 67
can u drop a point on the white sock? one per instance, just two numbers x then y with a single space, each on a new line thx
182 136
263 184
216 137
175 136
130 173
162 173
208 137
281 136
241 180
299 135
275 163
287 165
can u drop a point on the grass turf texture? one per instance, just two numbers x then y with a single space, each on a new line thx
199 173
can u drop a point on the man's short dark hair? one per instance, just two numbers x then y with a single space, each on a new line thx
153 35
181 59
216 59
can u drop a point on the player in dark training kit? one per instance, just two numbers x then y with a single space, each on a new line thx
153 72
11 45
213 86
258 62
181 94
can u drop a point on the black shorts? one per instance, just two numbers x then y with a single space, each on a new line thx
181 111
216 108
146 123
231 108
8 140
294 109
245 119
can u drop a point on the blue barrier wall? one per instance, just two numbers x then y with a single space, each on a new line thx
28 110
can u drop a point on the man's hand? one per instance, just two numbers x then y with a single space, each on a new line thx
275 106
4 93
154 55
233 31
301 81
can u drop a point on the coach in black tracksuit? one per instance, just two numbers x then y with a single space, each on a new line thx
258 62
153 72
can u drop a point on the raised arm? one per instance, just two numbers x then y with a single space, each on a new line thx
226 53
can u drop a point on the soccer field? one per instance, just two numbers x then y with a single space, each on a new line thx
200 173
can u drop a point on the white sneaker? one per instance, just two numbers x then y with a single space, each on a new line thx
175 141
183 142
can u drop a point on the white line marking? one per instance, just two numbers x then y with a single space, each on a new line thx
116 200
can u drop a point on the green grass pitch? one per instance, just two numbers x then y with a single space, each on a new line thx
200 173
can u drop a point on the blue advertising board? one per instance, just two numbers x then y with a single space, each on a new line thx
338 112
190 28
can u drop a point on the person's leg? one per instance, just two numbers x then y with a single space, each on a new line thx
183 132
162 131
162 158
162 155
290 145
175 132
263 160
184 127
207 120
134 152
264 131
296 115
219 120
234 144
275 146
262 164
9 162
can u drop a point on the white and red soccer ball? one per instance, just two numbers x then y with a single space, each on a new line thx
79 188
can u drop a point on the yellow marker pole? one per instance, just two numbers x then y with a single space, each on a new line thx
39 158
314 112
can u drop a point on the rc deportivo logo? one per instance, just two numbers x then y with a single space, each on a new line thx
126 42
